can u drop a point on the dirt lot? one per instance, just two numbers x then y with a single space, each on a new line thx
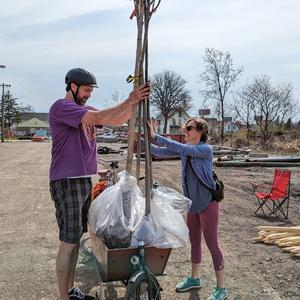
28 242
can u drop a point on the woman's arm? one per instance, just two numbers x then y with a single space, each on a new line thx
162 151
158 151
200 150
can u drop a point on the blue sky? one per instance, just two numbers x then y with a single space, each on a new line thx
42 39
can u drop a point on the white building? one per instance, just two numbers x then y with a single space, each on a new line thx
174 123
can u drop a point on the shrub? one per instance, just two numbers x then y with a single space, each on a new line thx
240 142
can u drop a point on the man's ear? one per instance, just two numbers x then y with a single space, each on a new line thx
73 86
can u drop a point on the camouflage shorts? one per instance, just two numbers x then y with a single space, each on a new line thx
72 198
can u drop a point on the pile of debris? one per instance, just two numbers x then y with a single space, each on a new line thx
233 157
288 238
107 150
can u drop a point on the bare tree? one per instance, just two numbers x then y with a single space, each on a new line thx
289 124
218 76
243 108
116 98
26 108
289 108
271 103
169 94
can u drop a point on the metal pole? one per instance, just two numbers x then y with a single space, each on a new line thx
2 108
2 114
148 179
2 111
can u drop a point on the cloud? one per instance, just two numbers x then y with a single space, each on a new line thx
16 13
41 40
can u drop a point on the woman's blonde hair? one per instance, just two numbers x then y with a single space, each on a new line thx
201 125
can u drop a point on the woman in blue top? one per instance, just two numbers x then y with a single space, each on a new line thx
197 183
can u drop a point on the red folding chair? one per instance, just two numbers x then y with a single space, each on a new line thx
277 200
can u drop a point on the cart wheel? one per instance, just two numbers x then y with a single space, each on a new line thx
99 293
138 290
98 296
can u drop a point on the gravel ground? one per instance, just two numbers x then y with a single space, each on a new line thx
28 231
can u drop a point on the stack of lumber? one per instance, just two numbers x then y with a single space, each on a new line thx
288 238
231 157
221 151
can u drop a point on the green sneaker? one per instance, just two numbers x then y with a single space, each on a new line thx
188 283
218 294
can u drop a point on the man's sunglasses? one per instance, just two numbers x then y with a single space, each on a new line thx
189 128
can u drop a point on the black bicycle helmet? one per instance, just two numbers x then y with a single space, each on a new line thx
80 77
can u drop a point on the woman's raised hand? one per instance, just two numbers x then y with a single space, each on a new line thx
152 127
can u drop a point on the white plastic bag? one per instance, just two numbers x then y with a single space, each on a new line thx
106 214
133 202
168 208
178 201
145 232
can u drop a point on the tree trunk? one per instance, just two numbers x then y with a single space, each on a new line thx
137 73
248 132
265 133
165 125
222 121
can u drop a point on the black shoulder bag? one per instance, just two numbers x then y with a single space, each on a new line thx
217 194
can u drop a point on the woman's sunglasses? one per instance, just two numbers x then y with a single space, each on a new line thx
189 128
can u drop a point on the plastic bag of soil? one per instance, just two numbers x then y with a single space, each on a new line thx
117 211
116 235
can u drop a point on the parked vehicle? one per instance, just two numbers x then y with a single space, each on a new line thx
37 138
107 138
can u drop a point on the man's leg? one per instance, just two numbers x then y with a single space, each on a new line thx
69 196
64 267
73 267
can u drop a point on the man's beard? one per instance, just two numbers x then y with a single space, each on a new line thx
82 101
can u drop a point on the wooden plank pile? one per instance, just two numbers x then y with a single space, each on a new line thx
288 238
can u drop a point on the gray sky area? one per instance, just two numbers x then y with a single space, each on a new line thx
42 39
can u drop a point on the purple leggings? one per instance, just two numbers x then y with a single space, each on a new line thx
206 222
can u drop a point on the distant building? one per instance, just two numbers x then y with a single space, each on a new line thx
31 127
25 116
204 112
230 126
32 123
174 124
213 126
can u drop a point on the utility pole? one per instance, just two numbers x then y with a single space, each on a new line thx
2 110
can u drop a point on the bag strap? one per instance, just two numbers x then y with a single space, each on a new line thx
215 177
214 174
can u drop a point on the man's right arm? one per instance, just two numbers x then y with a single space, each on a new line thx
111 116
119 114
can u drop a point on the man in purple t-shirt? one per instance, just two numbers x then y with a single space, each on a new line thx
73 163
